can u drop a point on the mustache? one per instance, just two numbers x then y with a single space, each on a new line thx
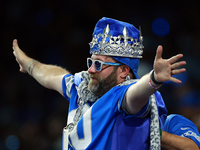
93 76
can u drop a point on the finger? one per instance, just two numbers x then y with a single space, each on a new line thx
175 58
17 60
178 64
159 52
175 80
15 44
20 68
178 71
14 53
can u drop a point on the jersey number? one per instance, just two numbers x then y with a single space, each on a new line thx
81 136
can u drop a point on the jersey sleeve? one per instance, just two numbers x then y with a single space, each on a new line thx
181 126
122 107
162 110
69 84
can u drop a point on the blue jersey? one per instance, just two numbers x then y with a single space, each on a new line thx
133 132
96 127
181 126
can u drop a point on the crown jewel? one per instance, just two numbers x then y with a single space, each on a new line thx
121 45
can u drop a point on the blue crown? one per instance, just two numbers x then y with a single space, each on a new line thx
116 38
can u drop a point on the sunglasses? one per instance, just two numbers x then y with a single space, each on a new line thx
98 64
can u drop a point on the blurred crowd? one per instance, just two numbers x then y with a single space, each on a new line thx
58 32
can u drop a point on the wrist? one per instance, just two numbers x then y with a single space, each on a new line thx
31 66
151 83
153 78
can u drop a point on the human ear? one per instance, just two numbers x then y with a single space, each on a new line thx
124 71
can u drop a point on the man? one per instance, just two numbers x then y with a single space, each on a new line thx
107 89
180 133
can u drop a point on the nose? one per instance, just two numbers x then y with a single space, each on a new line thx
92 69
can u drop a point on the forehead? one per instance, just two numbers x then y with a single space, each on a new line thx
102 58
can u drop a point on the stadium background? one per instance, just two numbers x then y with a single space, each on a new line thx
58 32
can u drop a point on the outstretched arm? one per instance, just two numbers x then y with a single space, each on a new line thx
137 95
49 76
174 142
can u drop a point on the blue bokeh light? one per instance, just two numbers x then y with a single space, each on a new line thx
12 142
160 27
43 17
